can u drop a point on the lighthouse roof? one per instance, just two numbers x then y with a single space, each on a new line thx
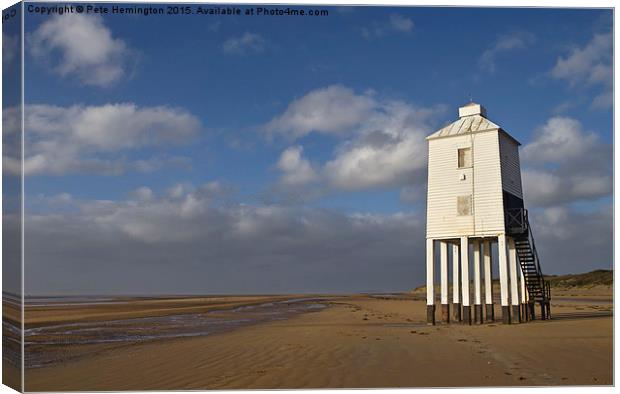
472 119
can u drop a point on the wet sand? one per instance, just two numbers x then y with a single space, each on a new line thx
60 342
358 341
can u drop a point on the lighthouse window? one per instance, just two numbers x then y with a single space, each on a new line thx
463 205
464 157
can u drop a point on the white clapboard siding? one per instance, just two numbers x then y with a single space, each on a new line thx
483 182
444 187
511 169
488 197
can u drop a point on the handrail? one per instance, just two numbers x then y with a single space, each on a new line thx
545 286
517 219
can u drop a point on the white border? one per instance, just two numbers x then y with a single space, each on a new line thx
430 3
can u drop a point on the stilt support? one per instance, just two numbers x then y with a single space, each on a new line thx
532 310
445 313
430 315
523 291
430 281
443 259
503 277
490 313
465 280
514 280
467 314
516 315
478 314
488 281
505 314
457 311
477 283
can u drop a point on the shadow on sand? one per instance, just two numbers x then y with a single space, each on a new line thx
580 315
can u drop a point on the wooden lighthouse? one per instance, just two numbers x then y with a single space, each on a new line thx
476 221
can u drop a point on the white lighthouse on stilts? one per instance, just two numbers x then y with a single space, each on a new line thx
475 201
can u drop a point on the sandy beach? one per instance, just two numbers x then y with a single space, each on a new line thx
357 341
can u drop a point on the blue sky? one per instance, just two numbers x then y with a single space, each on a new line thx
275 116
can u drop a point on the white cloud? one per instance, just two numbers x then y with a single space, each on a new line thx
401 23
565 164
295 169
247 43
563 107
177 191
90 139
561 139
10 49
215 26
396 23
142 194
503 44
553 187
541 187
56 200
589 66
389 150
157 162
384 140
80 46
11 141
603 100
331 110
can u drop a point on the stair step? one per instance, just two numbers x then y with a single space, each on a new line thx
529 263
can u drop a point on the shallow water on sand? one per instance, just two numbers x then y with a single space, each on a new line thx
48 345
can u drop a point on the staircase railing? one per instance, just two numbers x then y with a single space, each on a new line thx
543 282
517 223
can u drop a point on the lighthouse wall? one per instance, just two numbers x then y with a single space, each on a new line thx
482 181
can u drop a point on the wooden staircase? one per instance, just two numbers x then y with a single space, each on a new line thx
518 227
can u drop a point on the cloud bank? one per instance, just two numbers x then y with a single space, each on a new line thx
198 240
91 139
565 164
